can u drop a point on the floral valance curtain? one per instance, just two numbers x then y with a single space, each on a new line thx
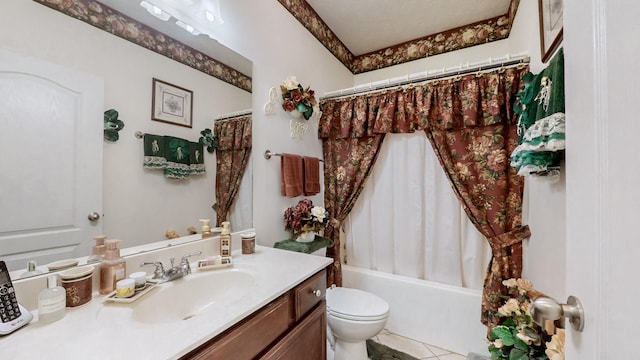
472 128
232 157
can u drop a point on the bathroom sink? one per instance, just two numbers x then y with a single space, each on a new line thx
188 297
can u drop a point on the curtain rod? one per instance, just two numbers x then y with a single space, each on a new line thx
233 115
462 69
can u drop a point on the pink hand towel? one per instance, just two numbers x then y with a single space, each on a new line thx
311 175
291 172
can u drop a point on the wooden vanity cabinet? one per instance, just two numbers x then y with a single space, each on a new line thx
291 327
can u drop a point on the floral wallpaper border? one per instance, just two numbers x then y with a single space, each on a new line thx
116 23
482 32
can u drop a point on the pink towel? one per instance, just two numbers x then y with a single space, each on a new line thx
291 171
311 175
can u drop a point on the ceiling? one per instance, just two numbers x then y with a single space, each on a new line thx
368 35
202 43
368 25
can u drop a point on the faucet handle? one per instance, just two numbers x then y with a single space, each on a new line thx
185 258
184 262
158 272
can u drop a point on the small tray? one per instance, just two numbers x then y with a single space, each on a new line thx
137 295
226 262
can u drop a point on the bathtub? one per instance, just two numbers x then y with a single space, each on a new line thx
441 315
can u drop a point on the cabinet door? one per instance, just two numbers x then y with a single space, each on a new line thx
248 339
307 341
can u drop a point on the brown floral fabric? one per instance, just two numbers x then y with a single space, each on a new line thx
232 157
347 163
472 128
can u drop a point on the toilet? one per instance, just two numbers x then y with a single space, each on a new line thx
353 316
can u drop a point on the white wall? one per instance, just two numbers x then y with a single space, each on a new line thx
545 202
279 47
139 204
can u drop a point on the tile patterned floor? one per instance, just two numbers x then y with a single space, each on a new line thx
414 348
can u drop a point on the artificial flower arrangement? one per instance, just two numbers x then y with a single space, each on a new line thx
295 97
304 217
517 336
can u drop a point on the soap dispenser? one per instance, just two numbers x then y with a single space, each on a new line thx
52 301
113 267
98 250
206 228
31 270
225 239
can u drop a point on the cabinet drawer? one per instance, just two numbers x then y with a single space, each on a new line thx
247 339
309 293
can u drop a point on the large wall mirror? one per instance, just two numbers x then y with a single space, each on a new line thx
82 71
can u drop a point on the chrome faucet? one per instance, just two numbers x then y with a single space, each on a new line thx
175 272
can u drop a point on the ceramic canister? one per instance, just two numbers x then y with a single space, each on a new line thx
248 242
78 283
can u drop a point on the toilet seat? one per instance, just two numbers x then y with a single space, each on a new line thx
354 304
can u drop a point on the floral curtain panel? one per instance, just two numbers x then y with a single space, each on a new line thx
472 128
349 161
232 157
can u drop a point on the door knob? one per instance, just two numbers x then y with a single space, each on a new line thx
545 308
94 216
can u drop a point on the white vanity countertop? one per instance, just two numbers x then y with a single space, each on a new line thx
86 334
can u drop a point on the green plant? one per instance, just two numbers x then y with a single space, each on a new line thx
112 125
517 337
209 140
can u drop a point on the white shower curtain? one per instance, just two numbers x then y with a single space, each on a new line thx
407 221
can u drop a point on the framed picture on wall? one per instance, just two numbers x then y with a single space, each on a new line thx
171 104
550 13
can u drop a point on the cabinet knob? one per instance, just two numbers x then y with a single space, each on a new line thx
317 293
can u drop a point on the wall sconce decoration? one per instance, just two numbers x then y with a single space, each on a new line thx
269 108
297 100
301 103
112 125
209 140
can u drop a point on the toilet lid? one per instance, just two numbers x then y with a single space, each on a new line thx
355 304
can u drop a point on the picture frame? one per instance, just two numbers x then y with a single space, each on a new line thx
550 17
171 104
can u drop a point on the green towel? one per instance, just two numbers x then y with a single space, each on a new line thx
196 157
177 153
307 248
537 101
154 152
541 107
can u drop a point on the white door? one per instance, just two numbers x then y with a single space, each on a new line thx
51 121
602 67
